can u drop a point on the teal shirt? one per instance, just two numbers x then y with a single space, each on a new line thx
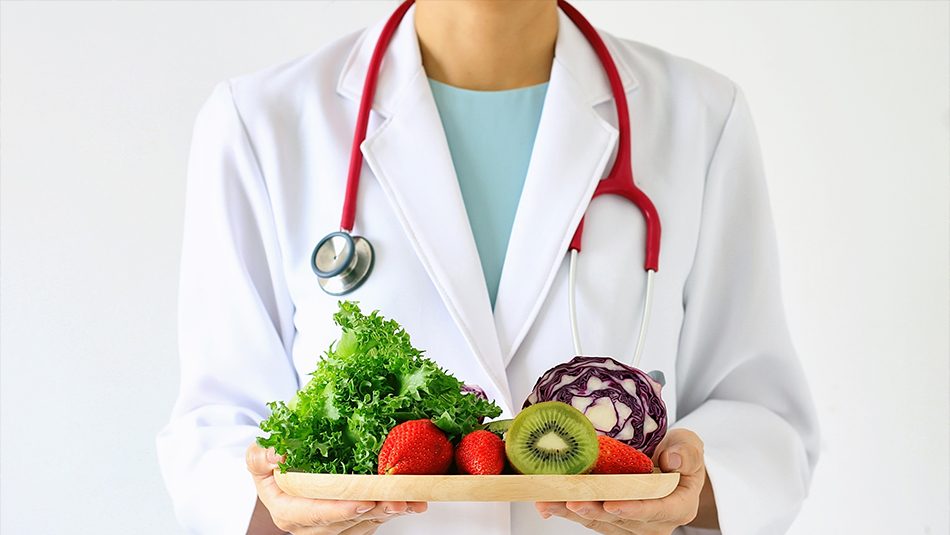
490 136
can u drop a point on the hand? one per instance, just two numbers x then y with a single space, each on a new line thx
680 451
304 516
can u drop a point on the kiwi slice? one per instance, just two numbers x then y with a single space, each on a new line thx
551 438
499 427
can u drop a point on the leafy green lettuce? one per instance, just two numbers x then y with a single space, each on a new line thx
371 380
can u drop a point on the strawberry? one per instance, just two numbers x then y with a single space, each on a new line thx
415 447
480 453
618 458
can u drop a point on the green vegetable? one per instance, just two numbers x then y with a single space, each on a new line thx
372 380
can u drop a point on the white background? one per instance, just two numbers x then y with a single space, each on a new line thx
98 100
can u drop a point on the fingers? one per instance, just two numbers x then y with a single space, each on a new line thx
261 462
677 509
325 512
542 508
387 510
308 512
394 508
548 509
680 451
636 513
416 507
291 511
590 511
288 511
370 521
683 458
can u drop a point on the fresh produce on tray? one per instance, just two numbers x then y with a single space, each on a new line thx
365 385
621 401
376 405
618 458
551 438
415 447
480 453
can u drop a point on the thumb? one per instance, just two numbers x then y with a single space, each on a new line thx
682 454
261 462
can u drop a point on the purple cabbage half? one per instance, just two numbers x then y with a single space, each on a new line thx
621 401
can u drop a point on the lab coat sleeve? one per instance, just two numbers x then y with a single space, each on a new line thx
235 326
740 385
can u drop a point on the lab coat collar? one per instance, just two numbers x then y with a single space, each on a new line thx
409 156
403 61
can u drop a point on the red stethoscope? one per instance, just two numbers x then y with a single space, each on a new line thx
342 262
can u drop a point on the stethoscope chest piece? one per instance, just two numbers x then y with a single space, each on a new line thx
342 262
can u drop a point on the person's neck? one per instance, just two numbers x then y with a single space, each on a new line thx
487 45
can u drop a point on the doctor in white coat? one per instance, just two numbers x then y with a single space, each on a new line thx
266 181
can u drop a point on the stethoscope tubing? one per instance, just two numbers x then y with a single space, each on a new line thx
619 181
572 307
348 217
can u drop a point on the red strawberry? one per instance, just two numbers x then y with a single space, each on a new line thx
415 447
618 458
480 453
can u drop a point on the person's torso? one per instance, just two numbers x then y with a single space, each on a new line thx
300 118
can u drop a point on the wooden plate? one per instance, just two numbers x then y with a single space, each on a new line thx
464 488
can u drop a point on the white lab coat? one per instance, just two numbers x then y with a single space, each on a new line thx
266 181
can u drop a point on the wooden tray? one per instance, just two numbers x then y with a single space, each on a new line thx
464 488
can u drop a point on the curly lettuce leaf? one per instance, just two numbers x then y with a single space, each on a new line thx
365 384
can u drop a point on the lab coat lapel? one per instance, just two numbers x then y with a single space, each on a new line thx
571 151
410 158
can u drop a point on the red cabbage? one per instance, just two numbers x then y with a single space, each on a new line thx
475 390
478 392
621 401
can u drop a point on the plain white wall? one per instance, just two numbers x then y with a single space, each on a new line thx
98 101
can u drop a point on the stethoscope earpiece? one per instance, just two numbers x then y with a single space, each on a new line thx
342 262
